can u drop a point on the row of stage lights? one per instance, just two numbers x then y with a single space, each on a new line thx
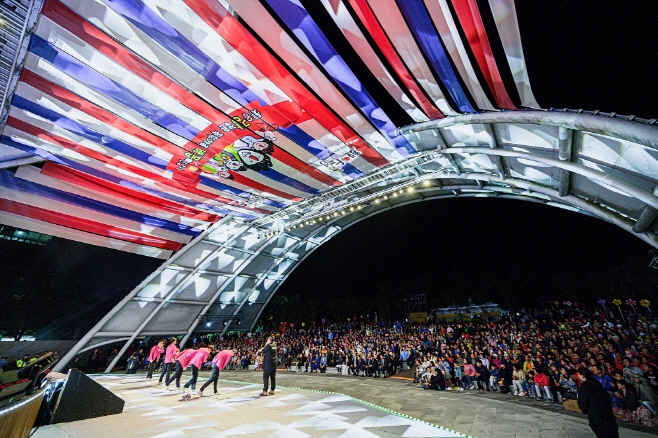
309 222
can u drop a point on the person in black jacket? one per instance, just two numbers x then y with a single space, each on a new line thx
437 381
594 402
269 365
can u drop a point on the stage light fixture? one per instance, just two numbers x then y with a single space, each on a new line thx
351 208
335 213
401 191
342 212
301 225
426 183
328 217
410 190
385 197
208 324
314 221
306 222
358 208
376 201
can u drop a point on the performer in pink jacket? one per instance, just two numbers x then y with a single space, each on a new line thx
198 359
183 360
154 357
170 353
220 361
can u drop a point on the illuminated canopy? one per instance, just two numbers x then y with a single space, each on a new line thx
233 137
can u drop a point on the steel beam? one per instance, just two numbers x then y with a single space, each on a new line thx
624 129
596 175
647 217
496 143
565 141
87 337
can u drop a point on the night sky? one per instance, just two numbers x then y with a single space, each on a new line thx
580 54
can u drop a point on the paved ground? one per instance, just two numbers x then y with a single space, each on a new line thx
473 413
238 411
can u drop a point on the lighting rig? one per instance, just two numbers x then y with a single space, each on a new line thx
350 196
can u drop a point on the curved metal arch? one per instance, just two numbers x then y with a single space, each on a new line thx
391 207
529 194
494 181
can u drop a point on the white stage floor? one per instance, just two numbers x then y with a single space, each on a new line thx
238 411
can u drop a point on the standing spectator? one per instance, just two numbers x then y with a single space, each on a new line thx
92 363
269 365
594 402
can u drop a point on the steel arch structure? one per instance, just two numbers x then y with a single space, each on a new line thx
225 277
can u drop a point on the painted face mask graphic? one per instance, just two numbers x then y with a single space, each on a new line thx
233 165
250 157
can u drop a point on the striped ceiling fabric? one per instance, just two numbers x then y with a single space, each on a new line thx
156 118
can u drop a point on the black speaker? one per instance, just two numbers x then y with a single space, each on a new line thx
83 398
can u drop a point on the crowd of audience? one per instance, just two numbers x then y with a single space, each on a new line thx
537 354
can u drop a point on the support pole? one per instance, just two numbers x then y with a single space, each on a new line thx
565 142
496 141
647 217
442 145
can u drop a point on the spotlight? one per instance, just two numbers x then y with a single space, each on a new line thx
358 208
351 208
320 218
395 195
342 212
385 197
335 213
208 324
301 225
376 201
410 190
295 226
401 191
426 183
314 221
328 217
306 222
224 322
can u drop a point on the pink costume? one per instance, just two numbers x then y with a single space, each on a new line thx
170 354
185 357
200 357
155 354
222 358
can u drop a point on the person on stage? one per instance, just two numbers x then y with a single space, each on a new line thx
183 360
200 357
154 357
170 354
269 365
220 361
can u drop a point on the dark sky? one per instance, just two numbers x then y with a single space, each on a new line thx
580 54
487 249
